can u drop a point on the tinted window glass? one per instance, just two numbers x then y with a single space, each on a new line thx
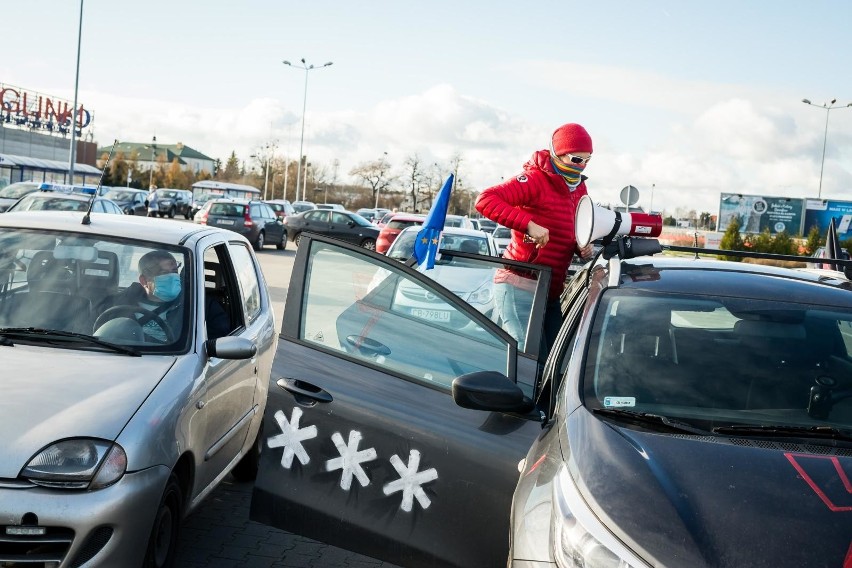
228 209
248 279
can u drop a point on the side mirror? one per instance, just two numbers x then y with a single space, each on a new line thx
490 390
351 223
230 348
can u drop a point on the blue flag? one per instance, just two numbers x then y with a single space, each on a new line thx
426 244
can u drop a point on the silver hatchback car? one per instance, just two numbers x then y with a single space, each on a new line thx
136 359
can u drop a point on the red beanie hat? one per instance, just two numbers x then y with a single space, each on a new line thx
571 138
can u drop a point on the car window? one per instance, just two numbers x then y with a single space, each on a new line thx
228 209
382 316
317 215
248 278
340 218
89 284
502 233
719 358
222 299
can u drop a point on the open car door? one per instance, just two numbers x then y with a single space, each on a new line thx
364 447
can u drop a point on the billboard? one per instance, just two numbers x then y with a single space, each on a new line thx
759 212
820 211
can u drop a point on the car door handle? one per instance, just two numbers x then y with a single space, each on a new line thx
302 388
368 347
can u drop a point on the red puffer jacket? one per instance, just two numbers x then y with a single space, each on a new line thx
541 195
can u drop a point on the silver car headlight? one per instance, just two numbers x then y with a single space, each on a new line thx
481 295
77 464
580 540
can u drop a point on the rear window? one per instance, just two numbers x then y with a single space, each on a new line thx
502 233
228 209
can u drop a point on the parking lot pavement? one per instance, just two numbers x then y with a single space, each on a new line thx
219 534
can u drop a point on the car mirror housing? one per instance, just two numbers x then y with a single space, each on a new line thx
490 390
230 348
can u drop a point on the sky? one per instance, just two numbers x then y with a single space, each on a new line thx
684 99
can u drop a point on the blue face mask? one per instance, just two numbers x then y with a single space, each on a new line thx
167 286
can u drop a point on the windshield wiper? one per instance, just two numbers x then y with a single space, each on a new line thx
58 334
782 431
662 423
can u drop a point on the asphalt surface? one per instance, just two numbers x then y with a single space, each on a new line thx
219 533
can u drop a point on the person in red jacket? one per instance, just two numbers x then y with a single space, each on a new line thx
539 205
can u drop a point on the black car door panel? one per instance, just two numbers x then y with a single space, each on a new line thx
364 447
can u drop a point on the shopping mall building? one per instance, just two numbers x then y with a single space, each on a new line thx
35 142
35 138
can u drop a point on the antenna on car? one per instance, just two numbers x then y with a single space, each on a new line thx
87 218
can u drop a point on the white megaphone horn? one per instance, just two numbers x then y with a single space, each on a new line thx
592 222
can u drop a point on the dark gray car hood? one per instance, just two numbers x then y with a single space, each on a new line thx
51 394
712 501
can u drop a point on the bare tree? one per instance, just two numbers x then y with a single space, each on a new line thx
375 174
413 176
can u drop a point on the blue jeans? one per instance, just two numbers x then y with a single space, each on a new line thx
513 306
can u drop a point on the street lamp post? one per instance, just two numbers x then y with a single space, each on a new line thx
307 68
828 108
153 157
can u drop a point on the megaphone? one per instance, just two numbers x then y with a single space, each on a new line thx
592 222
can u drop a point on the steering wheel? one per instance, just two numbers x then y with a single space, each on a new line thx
131 311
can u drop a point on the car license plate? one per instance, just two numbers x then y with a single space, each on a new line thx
225 222
431 315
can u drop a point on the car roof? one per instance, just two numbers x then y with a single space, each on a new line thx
143 228
450 231
703 276
407 217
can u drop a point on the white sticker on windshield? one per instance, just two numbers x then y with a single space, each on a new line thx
619 401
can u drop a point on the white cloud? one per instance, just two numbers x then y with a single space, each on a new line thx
724 139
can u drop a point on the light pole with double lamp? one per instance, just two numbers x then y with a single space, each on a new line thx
307 68
829 106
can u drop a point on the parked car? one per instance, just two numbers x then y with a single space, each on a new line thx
111 435
282 207
131 201
452 239
255 220
301 206
688 409
458 221
171 202
370 215
14 191
821 253
502 236
487 224
343 225
384 219
198 201
394 226
332 206
471 283
55 201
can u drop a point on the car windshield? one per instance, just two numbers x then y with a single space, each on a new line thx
403 223
502 233
360 220
50 202
91 285
17 190
719 361
168 194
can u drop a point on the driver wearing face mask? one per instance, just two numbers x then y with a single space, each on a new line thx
158 292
